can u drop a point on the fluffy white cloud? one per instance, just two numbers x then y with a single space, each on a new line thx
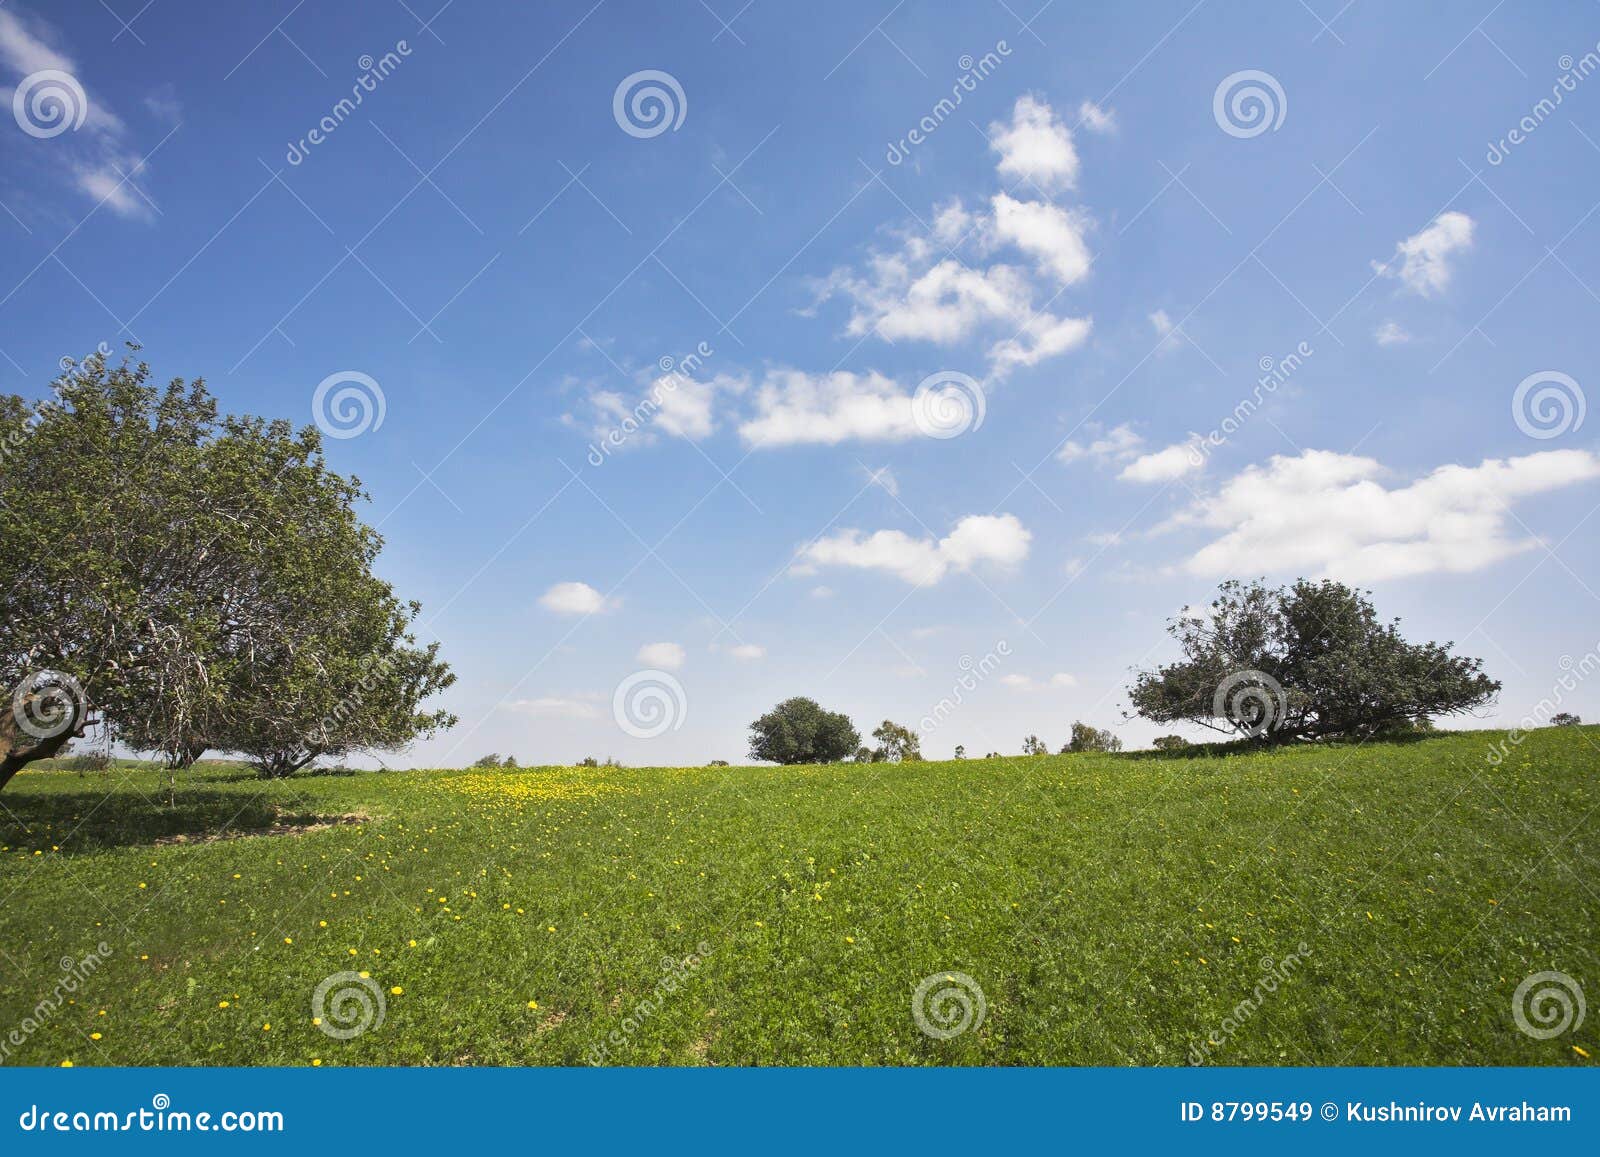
1164 465
1035 146
573 599
793 407
95 158
1097 119
1042 336
748 651
669 656
977 538
1052 236
675 404
1324 513
1422 261
1118 444
1391 333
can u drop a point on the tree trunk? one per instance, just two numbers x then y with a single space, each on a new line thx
18 748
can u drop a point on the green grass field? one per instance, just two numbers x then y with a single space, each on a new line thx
1112 909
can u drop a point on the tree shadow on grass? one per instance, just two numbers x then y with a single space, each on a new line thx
87 821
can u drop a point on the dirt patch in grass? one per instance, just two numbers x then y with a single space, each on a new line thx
298 825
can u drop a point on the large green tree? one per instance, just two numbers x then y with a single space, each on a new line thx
798 730
175 575
1308 662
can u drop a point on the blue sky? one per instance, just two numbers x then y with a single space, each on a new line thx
1096 242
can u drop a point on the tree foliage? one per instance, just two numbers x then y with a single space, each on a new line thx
1310 662
193 580
798 730
1087 738
896 744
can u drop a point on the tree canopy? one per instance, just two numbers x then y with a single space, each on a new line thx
798 730
1308 662
192 580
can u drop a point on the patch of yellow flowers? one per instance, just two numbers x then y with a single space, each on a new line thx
537 786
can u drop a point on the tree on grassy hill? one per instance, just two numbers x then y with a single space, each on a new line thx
1310 662
798 730
1565 719
189 581
490 760
1087 738
896 744
1169 743
1033 745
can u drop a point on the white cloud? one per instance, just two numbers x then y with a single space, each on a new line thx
1017 682
1161 323
822 592
1052 236
1035 146
1324 513
1422 261
1097 119
550 706
977 538
668 656
748 651
1163 465
884 479
573 599
1391 333
793 407
94 157
1062 679
1042 336
1118 444
673 404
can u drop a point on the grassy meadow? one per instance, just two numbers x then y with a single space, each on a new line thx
1113 909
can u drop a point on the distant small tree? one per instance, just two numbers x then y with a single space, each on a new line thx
1169 743
1564 719
1033 745
510 761
993 755
896 744
1087 738
490 760
718 763
961 752
798 730
1310 662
